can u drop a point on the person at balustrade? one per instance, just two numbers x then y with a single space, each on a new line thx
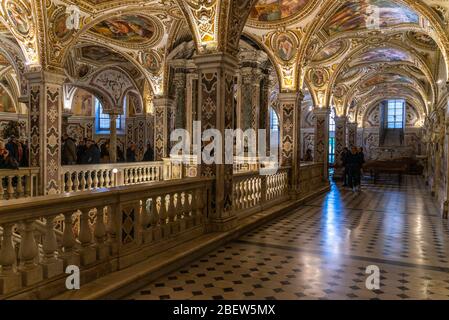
131 153
149 154
105 158
15 150
92 154
6 161
68 152
120 154
26 154
4 153
80 150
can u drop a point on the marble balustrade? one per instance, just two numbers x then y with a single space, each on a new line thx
253 191
18 183
123 224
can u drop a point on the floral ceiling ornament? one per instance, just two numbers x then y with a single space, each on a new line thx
18 16
204 14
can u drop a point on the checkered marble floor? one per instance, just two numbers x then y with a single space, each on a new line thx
322 250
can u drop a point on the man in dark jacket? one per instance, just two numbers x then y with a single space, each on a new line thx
149 154
92 154
343 159
15 150
354 164
131 153
80 151
68 151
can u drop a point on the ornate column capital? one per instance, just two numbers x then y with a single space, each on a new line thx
39 76
163 102
321 111
214 61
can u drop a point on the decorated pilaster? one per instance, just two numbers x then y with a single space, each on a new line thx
352 134
321 148
113 137
45 121
290 106
216 100
340 139
163 108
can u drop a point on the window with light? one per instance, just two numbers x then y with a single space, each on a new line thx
102 120
395 114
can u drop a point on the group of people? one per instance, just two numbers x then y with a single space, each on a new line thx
352 161
14 154
87 151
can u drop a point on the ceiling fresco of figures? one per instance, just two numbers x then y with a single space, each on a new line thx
128 28
356 15
384 78
382 55
276 10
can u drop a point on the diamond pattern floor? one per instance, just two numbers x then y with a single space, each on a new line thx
321 251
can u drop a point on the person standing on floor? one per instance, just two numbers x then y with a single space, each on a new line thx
354 167
344 156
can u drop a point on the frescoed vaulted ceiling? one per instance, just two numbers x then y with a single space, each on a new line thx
342 51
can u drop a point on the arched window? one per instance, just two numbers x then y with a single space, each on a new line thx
102 122
274 128
332 137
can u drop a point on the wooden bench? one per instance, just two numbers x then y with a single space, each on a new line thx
386 167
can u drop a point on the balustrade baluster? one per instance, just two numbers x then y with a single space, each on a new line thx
139 175
83 181
100 235
69 256
163 217
20 190
107 180
10 188
52 266
76 182
69 182
30 270
9 278
100 179
126 176
2 190
87 252
89 180
172 214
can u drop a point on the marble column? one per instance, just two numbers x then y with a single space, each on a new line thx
352 134
216 74
179 82
113 138
163 109
45 123
250 98
321 148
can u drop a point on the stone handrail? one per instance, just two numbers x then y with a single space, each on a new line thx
253 192
18 183
91 177
116 227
